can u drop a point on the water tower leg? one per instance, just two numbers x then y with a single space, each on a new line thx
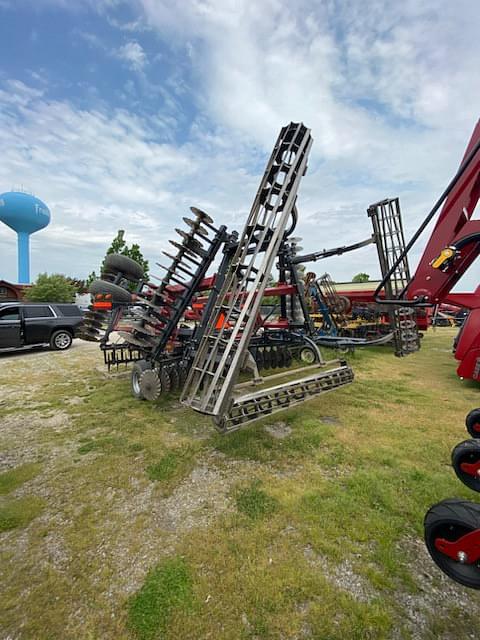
23 258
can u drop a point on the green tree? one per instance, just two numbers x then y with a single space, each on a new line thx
361 277
51 288
90 278
79 284
120 246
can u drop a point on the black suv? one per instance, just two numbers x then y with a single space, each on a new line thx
27 324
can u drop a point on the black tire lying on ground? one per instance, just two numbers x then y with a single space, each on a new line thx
119 294
130 268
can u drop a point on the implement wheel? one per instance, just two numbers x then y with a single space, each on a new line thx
472 422
138 368
450 520
119 294
117 263
308 355
466 463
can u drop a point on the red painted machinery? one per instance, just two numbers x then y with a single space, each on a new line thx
453 246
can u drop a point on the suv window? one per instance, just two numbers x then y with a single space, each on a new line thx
10 314
37 312
68 310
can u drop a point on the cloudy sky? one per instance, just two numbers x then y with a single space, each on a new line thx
123 113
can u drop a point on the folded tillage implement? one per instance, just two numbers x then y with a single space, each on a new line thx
223 350
175 345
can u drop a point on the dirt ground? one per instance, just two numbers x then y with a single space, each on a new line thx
304 526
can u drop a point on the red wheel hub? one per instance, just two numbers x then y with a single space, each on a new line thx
465 550
472 469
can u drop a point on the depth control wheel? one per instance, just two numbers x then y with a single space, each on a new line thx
452 536
138 368
466 463
308 355
472 422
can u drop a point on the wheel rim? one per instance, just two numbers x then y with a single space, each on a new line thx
466 469
136 382
62 340
467 574
307 356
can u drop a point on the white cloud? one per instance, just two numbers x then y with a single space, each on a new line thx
133 54
391 94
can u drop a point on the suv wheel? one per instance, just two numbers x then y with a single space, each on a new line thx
61 340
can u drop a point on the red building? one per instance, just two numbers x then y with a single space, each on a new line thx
10 292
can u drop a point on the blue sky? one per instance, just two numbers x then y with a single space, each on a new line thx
123 113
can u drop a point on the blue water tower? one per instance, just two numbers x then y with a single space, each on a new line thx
25 214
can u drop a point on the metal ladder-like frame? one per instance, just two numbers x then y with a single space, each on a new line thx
210 386
390 241
329 293
222 348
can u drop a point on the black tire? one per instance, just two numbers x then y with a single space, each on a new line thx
472 422
174 378
280 357
119 294
308 355
288 358
183 373
115 262
138 368
259 358
267 363
165 380
61 340
451 519
467 453
273 358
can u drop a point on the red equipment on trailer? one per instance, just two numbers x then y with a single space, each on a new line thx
453 246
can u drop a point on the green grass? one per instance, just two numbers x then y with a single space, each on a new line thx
19 513
173 464
153 525
167 589
14 478
253 502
